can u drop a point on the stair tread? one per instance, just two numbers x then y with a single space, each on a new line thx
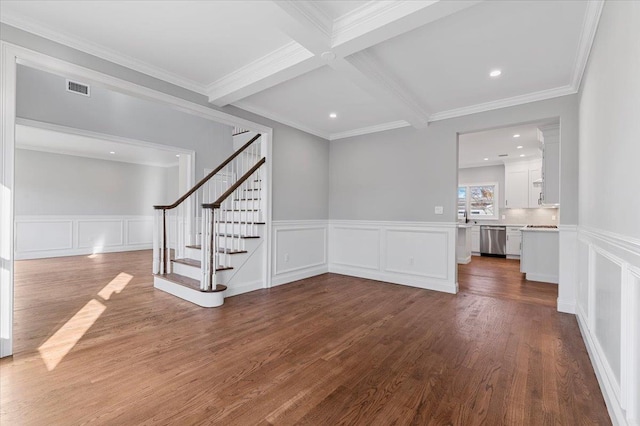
242 210
199 247
239 236
197 264
246 199
188 282
243 223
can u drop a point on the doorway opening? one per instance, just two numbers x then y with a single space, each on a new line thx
508 211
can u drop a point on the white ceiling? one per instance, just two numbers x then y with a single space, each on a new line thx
473 148
68 142
386 64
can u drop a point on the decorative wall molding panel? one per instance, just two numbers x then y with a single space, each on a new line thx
608 311
410 253
300 250
39 237
568 267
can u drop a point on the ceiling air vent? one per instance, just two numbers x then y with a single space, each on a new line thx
79 88
503 155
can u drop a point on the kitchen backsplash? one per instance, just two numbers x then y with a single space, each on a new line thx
524 217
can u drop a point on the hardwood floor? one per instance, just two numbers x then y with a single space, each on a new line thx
326 350
498 277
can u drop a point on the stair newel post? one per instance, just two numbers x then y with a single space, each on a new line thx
156 242
204 249
165 252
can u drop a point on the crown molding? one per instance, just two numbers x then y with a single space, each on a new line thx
370 129
281 59
102 53
504 103
311 14
276 117
587 36
374 71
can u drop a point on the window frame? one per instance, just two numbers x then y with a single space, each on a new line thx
496 200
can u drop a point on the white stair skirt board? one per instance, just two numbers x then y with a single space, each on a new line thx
200 298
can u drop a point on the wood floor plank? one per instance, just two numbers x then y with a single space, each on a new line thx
96 343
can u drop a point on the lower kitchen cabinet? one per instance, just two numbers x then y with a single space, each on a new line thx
475 239
514 241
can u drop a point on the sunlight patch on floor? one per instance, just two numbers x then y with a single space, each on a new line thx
58 346
116 285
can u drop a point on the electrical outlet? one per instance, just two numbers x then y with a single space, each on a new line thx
439 210
411 261
504 216
553 217
286 257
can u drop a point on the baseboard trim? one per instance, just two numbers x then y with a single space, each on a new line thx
464 260
424 283
567 306
613 407
234 290
80 251
545 278
289 277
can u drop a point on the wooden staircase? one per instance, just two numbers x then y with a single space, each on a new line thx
206 260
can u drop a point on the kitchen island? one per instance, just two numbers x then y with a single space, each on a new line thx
540 254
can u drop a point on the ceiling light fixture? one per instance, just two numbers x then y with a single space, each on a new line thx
178 155
112 152
516 135
521 155
495 73
519 147
333 115
486 159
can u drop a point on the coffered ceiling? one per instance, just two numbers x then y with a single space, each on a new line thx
375 64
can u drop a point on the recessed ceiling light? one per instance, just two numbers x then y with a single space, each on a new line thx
521 155
519 147
486 159
516 135
333 115
178 155
495 73
112 152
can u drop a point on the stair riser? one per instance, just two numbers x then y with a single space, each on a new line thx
232 260
239 216
247 205
187 270
240 229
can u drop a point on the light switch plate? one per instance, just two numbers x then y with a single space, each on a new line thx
439 210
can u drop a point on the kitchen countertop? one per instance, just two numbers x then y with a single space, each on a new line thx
525 229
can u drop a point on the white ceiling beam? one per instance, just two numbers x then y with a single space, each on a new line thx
366 72
315 33
379 21
279 66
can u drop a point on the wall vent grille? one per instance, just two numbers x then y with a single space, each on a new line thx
78 88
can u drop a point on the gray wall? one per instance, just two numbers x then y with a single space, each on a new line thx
484 174
610 124
42 97
55 184
300 170
300 187
403 174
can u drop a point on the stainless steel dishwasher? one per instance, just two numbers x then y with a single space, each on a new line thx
493 240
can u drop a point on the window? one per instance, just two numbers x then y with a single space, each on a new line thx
479 201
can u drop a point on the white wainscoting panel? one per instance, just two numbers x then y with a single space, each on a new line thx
300 250
33 236
417 254
608 310
54 236
567 268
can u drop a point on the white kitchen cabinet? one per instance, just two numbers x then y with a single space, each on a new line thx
535 184
550 164
523 184
516 182
540 255
514 241
475 239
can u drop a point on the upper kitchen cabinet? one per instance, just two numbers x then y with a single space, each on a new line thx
550 137
523 184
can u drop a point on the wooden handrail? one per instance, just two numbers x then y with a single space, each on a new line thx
209 176
216 204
